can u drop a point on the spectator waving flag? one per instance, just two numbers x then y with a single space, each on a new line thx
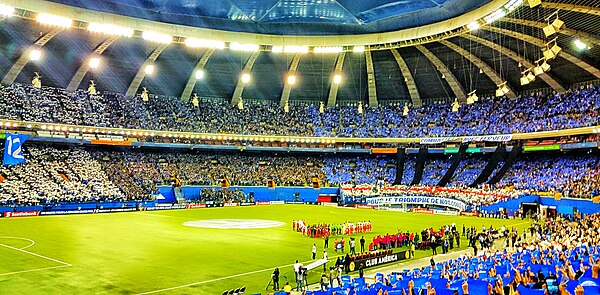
12 149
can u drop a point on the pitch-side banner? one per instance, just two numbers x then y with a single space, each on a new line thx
455 204
491 138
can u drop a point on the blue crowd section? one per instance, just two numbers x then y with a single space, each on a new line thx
562 206
260 193
492 116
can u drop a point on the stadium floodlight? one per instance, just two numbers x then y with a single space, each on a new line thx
295 49
244 47
28 126
530 76
35 54
54 20
245 78
149 69
7 11
199 74
337 79
94 62
277 49
358 48
291 79
157 37
537 70
335 49
110 29
580 45
494 16
198 43
513 4
473 26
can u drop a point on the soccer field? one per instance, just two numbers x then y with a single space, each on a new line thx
153 252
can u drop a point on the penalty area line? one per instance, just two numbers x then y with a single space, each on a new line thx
32 270
37 255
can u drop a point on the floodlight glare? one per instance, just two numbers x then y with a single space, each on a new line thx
197 43
579 44
157 37
291 80
110 29
7 11
358 48
199 74
149 69
245 78
35 54
473 26
94 62
54 20
337 79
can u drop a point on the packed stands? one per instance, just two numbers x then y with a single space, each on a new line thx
576 108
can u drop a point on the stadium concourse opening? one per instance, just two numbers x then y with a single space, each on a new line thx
325 147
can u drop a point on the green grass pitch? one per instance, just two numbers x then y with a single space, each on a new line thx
142 252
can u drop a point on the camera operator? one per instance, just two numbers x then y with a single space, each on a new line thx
275 278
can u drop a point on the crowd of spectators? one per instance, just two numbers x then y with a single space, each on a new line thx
58 173
575 108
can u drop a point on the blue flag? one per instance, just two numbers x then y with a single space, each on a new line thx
12 149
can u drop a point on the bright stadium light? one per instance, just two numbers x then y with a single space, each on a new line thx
157 37
336 49
291 79
35 54
580 45
494 16
54 20
7 11
203 43
149 69
110 29
358 48
513 4
337 79
245 78
473 26
94 62
243 47
199 74
295 49
277 49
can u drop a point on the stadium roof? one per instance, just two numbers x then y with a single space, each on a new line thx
445 65
289 17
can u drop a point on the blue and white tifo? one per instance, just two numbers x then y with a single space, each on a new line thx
13 154
450 203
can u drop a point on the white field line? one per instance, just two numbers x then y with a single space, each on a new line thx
36 255
23 239
32 270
